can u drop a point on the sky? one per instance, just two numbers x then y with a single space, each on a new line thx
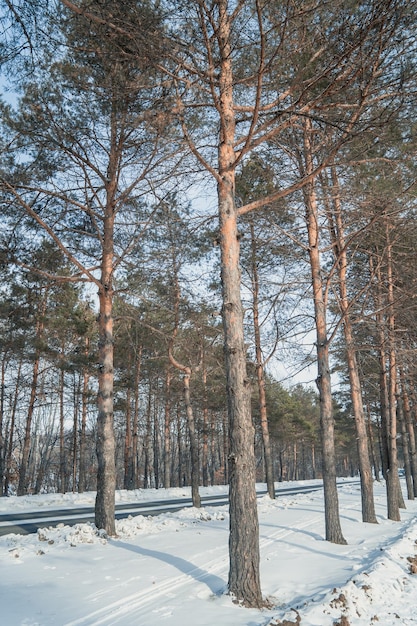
171 570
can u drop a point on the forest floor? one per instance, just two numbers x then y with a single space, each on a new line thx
171 570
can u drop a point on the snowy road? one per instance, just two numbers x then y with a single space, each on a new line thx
28 522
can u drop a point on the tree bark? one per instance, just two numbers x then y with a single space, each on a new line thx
331 501
339 247
156 441
82 478
167 430
244 577
410 430
62 455
195 469
3 447
77 394
395 501
180 449
260 376
374 456
147 441
187 372
105 442
128 448
135 425
406 449
9 455
24 462
204 451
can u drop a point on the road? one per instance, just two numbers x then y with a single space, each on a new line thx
29 522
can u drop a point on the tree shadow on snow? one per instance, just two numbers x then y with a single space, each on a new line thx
216 584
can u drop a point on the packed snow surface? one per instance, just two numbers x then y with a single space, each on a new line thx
171 570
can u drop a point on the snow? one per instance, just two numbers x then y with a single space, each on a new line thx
171 570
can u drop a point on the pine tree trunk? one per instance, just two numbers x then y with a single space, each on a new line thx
62 456
339 245
395 500
204 452
410 431
195 462
180 449
146 442
213 438
244 581
195 466
269 467
22 487
313 460
82 478
225 455
406 449
244 577
374 456
167 430
2 438
105 442
135 424
9 456
75 433
128 448
383 391
156 442
331 501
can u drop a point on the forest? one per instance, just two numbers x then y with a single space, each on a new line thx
202 203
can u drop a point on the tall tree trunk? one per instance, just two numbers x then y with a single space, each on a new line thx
195 466
374 456
156 441
383 384
180 448
260 376
410 430
2 438
128 447
192 432
204 451
339 247
62 456
244 578
395 501
77 394
9 456
213 437
82 478
331 500
135 424
225 446
24 462
313 460
147 441
406 449
167 429
105 441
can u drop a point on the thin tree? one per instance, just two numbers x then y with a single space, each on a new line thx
339 244
98 136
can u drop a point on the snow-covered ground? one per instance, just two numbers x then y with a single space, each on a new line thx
171 570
